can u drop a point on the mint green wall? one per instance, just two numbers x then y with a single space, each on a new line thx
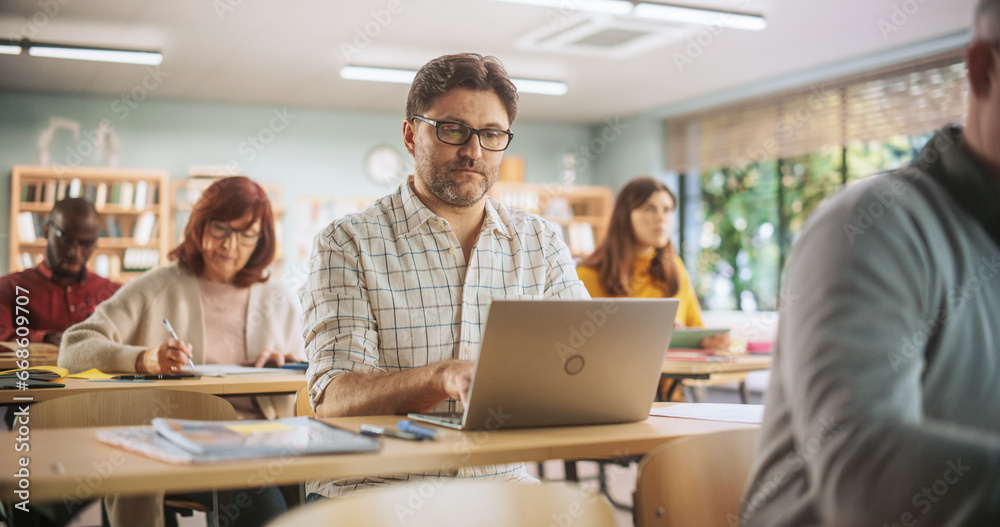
311 152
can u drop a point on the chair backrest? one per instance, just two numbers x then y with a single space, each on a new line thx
695 480
302 406
128 407
458 502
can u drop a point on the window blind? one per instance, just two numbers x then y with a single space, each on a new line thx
905 99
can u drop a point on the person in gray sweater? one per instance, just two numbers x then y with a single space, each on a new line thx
884 402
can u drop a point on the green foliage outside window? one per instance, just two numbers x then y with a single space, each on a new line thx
752 215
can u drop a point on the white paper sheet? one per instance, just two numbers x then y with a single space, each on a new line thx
736 413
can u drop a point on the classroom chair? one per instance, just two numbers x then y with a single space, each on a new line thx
302 406
132 407
458 502
695 480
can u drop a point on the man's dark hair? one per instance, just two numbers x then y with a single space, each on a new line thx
463 70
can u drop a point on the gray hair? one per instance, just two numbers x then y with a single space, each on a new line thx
987 22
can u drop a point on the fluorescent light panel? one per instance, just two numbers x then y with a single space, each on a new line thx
707 17
364 73
656 11
8 49
151 58
613 7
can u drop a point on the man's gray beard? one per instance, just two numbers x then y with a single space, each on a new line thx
446 190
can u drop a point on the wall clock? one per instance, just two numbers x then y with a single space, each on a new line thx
384 165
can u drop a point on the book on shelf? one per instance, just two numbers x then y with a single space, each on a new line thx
49 192
142 232
26 227
60 189
187 441
141 188
114 227
127 193
90 193
101 196
74 188
115 194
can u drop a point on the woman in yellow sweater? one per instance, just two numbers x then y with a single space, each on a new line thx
637 258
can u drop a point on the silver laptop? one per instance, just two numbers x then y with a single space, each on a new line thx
566 362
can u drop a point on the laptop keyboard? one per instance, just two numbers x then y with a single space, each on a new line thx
445 417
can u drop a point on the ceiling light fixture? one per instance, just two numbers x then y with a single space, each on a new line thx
65 51
401 76
656 11
697 15
613 7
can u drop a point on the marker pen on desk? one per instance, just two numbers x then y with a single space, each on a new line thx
375 431
415 429
174 335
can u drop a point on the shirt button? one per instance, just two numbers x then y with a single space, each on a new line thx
72 309
451 251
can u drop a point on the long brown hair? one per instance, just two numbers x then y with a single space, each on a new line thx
615 256
229 199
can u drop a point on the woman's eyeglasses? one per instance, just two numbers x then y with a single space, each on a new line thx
222 231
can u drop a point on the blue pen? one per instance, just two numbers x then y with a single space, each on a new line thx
174 335
415 429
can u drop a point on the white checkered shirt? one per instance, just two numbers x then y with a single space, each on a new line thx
389 290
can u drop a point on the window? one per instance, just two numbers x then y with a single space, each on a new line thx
764 166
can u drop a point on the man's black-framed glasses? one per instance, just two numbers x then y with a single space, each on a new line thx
458 134
69 244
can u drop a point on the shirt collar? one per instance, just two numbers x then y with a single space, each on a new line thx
415 213
44 269
952 165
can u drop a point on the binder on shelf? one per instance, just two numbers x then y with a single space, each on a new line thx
74 188
90 193
116 189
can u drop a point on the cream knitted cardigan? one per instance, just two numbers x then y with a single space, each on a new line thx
132 320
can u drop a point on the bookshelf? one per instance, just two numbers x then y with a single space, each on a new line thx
582 211
184 193
131 206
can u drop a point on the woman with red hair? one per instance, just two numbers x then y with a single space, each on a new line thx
217 296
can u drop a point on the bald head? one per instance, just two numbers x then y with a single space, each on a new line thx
987 20
73 209
70 233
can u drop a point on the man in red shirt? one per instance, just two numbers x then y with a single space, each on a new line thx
60 291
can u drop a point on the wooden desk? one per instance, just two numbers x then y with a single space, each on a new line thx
281 382
93 469
678 371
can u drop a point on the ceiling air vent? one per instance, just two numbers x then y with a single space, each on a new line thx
597 35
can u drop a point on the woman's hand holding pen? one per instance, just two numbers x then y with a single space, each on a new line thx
169 357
